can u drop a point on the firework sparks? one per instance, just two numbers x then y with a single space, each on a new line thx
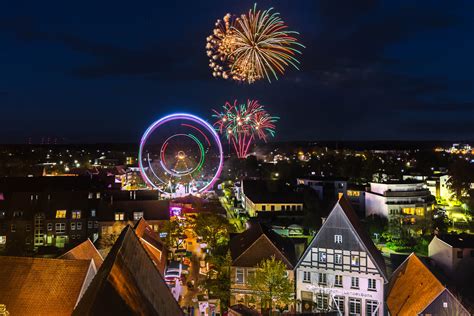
242 124
251 47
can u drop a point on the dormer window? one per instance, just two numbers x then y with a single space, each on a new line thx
338 239
61 214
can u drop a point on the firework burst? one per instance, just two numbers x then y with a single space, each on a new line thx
251 47
244 123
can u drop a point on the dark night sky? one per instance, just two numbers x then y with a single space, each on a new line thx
100 71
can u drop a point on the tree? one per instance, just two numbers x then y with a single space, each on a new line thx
218 282
461 174
174 232
213 228
271 284
108 238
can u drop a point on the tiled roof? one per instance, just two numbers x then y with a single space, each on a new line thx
259 242
38 286
152 209
363 234
259 191
412 287
85 251
458 241
128 284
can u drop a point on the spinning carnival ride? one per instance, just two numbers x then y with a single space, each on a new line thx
180 154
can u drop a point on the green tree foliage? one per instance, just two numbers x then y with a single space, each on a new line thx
218 281
213 228
461 174
174 231
271 285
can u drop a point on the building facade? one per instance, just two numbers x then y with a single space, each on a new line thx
450 252
341 270
408 201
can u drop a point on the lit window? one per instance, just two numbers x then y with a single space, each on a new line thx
372 284
73 226
61 214
91 195
354 282
97 195
3 240
338 258
79 226
49 226
338 239
339 304
445 304
354 306
338 281
306 277
355 261
92 213
322 278
13 228
137 215
76 214
371 308
239 276
119 216
322 257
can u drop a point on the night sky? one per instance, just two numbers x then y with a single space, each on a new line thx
100 71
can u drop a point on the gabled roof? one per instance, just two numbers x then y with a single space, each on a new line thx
341 215
458 241
38 286
259 242
412 288
144 231
128 283
85 251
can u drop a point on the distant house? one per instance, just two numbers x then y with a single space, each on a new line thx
38 286
128 283
152 244
85 251
450 252
341 270
248 249
414 290
264 196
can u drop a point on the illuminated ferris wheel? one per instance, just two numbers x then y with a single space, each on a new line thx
180 154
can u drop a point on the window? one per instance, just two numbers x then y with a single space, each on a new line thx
239 276
137 215
338 239
307 296
338 281
272 207
13 228
92 213
250 274
354 282
91 195
372 285
96 224
76 214
73 226
119 216
445 304
89 224
60 227
2 214
338 258
354 306
17 214
28 227
371 308
322 278
49 226
355 261
322 301
459 254
264 207
3 240
61 214
97 195
322 257
79 226
306 277
338 304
